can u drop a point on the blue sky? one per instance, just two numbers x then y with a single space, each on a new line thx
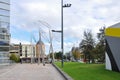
82 15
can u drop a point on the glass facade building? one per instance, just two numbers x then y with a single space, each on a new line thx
4 31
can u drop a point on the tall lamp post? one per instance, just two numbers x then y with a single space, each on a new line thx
61 31
62 44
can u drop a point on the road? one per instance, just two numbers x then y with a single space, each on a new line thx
30 72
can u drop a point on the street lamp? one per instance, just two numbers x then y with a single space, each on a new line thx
61 31
62 47
57 31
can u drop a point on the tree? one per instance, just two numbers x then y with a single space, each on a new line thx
58 55
99 52
76 53
87 46
100 47
14 57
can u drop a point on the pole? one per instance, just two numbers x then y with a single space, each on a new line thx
41 50
31 48
62 48
51 47
39 47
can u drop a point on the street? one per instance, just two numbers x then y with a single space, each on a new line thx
30 72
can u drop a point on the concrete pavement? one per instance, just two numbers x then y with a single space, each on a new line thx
30 72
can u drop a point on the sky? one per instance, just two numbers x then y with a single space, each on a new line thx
27 17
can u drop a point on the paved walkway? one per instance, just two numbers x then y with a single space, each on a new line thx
30 72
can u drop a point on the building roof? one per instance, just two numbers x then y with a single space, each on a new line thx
113 31
117 25
40 42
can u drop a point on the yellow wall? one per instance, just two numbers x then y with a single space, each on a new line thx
114 32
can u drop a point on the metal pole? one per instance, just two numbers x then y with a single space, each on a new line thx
42 53
31 48
41 50
62 32
51 47
39 46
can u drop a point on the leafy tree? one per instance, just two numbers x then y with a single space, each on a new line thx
58 55
76 53
87 46
101 36
14 57
100 47
99 52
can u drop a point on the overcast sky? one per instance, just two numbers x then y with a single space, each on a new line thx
82 15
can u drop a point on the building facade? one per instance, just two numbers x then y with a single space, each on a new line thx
4 31
28 53
40 50
112 36
14 48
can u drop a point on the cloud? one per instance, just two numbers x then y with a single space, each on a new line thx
17 41
82 15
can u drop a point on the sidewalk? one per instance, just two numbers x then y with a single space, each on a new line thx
30 72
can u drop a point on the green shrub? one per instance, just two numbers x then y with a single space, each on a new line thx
14 57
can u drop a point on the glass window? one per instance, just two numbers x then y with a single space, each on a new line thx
5 1
7 37
4 6
4 48
3 30
4 25
4 12
4 19
2 36
3 43
3 55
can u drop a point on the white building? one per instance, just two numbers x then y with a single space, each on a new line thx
4 31
28 52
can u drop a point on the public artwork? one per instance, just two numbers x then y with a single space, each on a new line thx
112 35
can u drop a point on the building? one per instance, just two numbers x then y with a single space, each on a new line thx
28 52
14 48
112 36
4 31
40 50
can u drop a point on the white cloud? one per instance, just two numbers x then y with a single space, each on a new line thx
17 41
82 15
35 6
102 2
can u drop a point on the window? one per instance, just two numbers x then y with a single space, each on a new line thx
4 19
4 12
5 1
4 6
4 48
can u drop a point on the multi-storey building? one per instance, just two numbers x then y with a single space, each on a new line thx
4 31
28 52
14 48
